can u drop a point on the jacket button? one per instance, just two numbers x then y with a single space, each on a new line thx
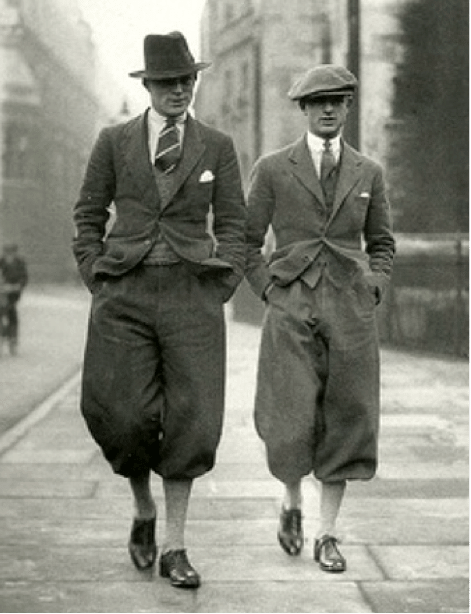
307 259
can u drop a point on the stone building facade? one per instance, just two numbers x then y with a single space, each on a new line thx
49 117
259 47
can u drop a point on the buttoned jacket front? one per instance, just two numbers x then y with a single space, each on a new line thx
355 240
120 172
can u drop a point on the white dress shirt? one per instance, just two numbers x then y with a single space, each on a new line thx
155 123
316 147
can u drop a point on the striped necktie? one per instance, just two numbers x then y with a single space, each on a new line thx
168 148
328 166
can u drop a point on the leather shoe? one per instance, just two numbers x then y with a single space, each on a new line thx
142 546
175 565
328 556
290 531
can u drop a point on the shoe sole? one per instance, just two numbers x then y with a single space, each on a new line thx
332 569
326 567
194 584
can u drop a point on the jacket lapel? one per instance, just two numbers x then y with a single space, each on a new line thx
193 148
348 175
136 151
304 169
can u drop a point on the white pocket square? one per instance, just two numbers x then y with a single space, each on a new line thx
365 195
206 177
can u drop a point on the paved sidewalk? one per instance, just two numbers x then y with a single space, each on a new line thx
65 517
53 321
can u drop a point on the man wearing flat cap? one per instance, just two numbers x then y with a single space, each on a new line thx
317 398
154 368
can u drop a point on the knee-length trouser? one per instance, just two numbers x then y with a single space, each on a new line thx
153 375
317 398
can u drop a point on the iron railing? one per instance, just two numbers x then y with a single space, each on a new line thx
426 306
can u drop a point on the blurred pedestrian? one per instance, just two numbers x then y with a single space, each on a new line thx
14 273
3 315
317 399
154 368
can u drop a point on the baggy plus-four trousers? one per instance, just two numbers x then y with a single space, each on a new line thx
317 400
153 376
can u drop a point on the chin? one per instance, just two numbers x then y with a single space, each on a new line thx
329 132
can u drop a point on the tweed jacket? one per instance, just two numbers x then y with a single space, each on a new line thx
356 239
120 172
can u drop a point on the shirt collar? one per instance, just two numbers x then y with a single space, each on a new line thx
158 121
316 144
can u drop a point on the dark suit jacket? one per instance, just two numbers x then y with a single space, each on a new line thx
120 171
286 193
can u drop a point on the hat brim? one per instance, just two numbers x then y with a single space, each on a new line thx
322 93
169 74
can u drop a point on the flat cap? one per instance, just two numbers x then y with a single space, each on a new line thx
326 79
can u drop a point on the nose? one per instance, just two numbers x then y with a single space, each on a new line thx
328 106
178 86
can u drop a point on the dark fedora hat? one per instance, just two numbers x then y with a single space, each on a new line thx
167 56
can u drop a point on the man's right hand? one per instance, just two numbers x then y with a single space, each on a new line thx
267 291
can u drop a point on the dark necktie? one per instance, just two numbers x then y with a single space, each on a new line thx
328 166
168 147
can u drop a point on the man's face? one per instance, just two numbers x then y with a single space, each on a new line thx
171 97
326 115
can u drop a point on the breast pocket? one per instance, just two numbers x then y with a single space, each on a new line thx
205 190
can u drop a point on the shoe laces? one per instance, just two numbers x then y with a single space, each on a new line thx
293 520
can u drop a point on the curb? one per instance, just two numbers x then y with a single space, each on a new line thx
37 414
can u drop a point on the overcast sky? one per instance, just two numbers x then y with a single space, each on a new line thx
119 27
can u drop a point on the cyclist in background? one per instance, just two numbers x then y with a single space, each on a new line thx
14 279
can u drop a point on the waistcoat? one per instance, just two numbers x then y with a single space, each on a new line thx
161 252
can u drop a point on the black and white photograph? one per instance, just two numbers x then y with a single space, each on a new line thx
234 306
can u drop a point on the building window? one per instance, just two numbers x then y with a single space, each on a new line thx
214 14
227 94
244 165
228 12
245 77
58 171
242 99
16 150
326 40
246 7
228 84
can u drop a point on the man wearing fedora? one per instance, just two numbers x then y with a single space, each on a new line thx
317 398
154 367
